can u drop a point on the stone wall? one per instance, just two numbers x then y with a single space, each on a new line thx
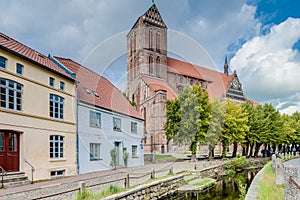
152 190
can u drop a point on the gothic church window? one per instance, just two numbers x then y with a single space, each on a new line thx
150 38
158 41
151 70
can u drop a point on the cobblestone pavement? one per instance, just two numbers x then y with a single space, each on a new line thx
108 174
296 163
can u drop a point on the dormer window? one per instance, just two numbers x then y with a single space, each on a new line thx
95 93
87 90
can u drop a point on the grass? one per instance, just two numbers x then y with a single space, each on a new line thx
268 190
165 158
86 195
204 182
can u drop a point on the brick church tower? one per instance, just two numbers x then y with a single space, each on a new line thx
153 78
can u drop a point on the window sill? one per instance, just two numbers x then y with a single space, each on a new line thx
57 159
96 159
135 157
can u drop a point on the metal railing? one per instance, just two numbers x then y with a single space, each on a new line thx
32 170
3 172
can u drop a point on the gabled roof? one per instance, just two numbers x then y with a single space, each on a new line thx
151 16
21 50
156 84
218 81
109 97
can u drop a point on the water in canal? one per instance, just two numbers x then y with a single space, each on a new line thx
226 189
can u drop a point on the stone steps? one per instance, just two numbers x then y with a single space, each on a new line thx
14 179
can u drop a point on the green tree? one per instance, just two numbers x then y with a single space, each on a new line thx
173 119
215 127
235 127
195 117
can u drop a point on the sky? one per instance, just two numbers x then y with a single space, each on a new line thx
260 37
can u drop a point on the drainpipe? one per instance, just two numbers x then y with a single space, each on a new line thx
77 135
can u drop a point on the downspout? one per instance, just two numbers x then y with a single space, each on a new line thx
73 75
77 134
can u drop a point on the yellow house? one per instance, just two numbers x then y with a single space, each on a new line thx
37 113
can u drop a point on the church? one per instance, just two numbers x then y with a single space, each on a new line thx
153 77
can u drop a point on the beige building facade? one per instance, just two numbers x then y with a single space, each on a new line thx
153 77
37 113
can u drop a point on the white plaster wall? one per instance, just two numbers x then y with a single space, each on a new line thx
106 136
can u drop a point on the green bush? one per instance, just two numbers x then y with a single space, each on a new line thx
237 163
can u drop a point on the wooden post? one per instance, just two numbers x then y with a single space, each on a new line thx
127 180
153 174
81 187
171 170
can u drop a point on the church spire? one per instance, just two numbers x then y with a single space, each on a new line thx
226 66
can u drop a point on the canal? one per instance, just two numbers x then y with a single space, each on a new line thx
229 188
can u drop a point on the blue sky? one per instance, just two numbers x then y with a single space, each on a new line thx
261 38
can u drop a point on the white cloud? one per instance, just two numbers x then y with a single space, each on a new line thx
217 24
268 65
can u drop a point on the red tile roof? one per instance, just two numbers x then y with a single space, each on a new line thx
219 81
156 84
29 54
109 98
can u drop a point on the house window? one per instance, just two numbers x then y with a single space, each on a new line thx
56 146
3 62
134 127
180 88
56 106
94 151
150 38
57 174
19 69
51 81
116 124
95 119
191 82
10 94
134 151
62 85
181 80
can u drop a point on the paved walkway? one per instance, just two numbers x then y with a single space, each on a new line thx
177 167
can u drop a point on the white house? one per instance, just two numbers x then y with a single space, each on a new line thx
106 121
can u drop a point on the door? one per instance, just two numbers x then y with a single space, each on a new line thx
9 151
117 148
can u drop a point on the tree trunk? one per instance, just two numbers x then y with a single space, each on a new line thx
256 151
213 152
251 150
235 146
210 156
224 151
194 150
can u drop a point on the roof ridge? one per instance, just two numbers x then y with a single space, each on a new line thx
196 65
10 38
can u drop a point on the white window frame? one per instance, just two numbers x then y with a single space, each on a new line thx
62 85
117 124
133 127
19 67
11 94
95 119
95 151
56 146
51 81
57 174
56 107
3 62
134 151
